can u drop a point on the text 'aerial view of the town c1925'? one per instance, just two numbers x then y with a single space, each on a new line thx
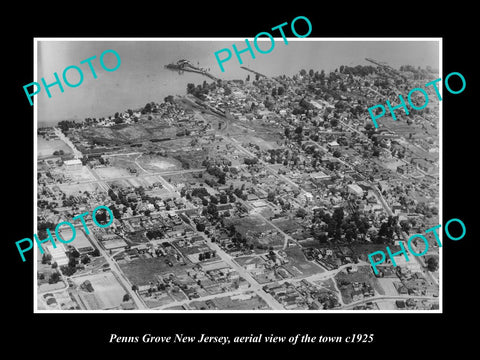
261 188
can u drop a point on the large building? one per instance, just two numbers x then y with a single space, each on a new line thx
74 164
58 254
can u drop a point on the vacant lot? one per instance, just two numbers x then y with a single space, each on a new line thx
249 225
387 285
249 301
76 189
156 163
107 289
299 265
142 271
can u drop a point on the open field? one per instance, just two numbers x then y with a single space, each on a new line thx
156 163
387 285
286 225
75 176
249 225
46 148
107 289
327 284
142 271
248 301
75 189
112 172
299 265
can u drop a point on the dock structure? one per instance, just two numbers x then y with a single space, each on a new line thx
185 65
253 71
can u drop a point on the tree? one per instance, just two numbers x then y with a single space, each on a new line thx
74 254
190 88
303 72
432 264
311 73
301 212
271 196
85 260
280 91
54 278
126 298
223 198
200 227
46 258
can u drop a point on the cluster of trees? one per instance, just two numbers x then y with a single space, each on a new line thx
71 267
122 199
154 234
337 226
206 255
64 125
250 161
54 278
359 70
387 230
207 199
101 216
426 210
183 160
148 108
432 264
218 172
278 91
276 156
46 258
419 73
200 91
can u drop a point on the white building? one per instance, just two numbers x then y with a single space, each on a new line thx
74 164
355 189
58 253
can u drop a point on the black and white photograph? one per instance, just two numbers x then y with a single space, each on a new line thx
260 187
186 180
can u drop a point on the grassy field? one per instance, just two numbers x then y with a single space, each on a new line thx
74 189
106 289
142 271
298 261
286 225
156 163
46 148
226 303
249 224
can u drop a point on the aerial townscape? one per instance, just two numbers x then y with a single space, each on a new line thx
263 193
